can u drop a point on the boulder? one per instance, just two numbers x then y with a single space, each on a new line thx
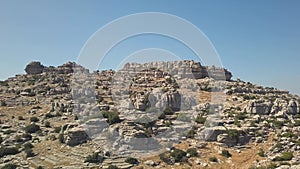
34 68
75 136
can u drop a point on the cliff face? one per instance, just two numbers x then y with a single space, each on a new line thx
182 69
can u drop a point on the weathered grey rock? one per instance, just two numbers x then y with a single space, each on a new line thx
75 136
259 107
34 68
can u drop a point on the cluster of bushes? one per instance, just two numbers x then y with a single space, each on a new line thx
177 155
285 156
94 158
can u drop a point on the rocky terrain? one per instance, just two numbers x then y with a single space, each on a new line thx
155 115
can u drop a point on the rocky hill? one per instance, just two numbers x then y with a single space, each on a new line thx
155 115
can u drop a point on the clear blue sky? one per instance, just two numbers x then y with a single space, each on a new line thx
257 40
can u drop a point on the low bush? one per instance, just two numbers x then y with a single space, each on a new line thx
200 119
193 152
285 156
178 155
112 116
226 153
261 153
131 160
32 128
94 158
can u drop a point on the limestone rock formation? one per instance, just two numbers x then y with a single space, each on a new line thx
34 68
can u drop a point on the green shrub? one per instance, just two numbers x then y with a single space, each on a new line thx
34 119
213 159
9 166
241 116
297 123
28 145
261 153
131 160
285 156
40 167
8 151
1 139
288 134
226 153
112 167
57 129
178 155
278 124
193 152
94 158
191 134
232 133
2 103
32 128
47 124
112 116
29 152
200 119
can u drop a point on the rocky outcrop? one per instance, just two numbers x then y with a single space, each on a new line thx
259 107
34 68
67 68
182 69
75 136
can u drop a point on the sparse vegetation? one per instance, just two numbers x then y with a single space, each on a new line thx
178 155
226 153
131 160
9 166
261 153
94 158
285 156
112 116
193 152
